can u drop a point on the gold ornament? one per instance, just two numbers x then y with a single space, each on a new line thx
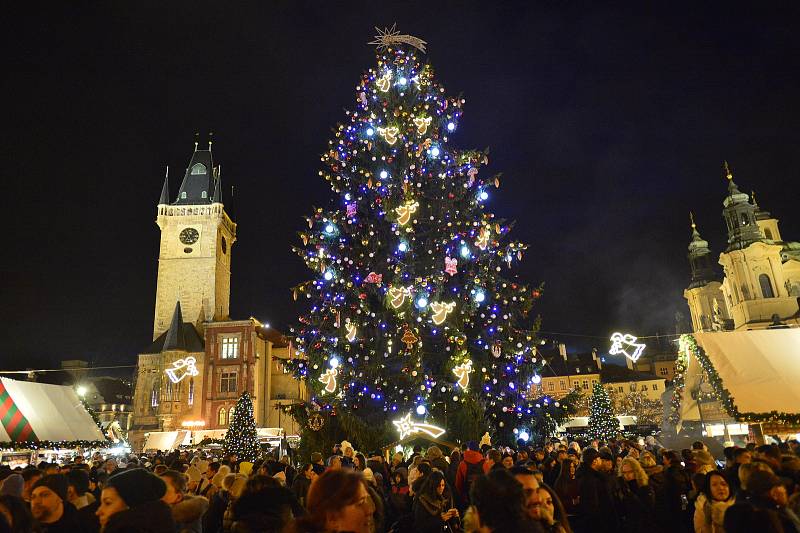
398 295
404 212
385 81
462 372
389 134
329 379
351 331
483 238
422 124
409 338
441 310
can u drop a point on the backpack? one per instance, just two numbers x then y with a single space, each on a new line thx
474 471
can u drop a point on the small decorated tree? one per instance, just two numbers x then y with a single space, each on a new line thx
603 425
241 437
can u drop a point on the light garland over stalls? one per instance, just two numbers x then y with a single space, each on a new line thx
408 253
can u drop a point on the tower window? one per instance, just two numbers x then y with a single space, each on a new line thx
766 286
231 411
198 168
191 391
183 195
222 418
768 233
227 382
229 348
204 194
744 219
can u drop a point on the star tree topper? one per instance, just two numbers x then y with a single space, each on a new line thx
389 36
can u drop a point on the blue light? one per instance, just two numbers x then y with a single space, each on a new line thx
347 196
451 126
524 435
384 174
328 275
422 302
403 247
402 80
421 410
370 132
435 151
329 229
465 252
484 195
334 362
480 296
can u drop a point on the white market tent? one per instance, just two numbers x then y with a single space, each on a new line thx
167 440
760 369
39 411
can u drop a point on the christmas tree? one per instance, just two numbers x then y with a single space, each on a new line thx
414 312
241 437
603 425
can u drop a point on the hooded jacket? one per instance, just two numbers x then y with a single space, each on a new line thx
149 517
188 513
471 457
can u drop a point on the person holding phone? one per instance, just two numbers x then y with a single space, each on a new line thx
433 507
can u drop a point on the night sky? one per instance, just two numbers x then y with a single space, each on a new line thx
608 126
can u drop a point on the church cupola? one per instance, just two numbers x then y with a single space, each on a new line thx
739 215
699 259
200 181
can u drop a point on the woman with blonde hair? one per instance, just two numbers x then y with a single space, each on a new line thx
635 497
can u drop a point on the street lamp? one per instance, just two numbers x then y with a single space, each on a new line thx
81 390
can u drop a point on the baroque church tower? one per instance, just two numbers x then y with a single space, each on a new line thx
197 236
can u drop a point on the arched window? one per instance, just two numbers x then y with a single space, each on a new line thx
768 233
191 391
766 286
744 219
198 168
230 415
154 396
168 392
222 419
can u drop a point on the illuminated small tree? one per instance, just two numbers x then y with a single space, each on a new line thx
603 425
241 437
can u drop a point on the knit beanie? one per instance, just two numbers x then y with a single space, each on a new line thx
193 473
761 482
137 486
12 486
55 482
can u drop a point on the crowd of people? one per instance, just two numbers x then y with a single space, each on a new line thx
561 487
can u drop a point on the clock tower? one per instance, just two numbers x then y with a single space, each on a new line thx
194 258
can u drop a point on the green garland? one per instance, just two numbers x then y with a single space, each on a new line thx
689 346
94 416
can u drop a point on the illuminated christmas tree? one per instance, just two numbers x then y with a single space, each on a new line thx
241 437
413 305
603 425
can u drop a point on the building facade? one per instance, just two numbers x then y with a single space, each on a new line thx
201 361
760 283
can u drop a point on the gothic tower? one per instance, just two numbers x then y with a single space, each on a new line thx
197 236
704 294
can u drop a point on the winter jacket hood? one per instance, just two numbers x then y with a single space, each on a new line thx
190 509
472 457
148 517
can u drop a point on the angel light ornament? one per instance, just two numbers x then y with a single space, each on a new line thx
329 379
404 212
451 265
422 124
385 81
389 134
350 328
441 310
182 368
483 238
462 372
398 295
626 344
497 350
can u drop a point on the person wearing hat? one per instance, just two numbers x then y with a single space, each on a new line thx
131 501
12 485
596 507
49 505
769 492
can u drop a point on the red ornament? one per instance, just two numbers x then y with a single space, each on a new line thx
372 277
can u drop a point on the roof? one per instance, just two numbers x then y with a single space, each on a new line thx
623 374
199 182
576 363
39 411
180 336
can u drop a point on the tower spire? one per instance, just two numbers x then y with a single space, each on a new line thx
699 258
739 215
164 199
196 140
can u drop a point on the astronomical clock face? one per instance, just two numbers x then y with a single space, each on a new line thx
189 236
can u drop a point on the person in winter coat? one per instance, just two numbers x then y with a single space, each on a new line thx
187 510
267 510
399 499
567 485
635 497
50 506
338 500
552 515
596 509
131 503
433 508
704 462
714 499
470 468
302 482
767 491
435 456
673 501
